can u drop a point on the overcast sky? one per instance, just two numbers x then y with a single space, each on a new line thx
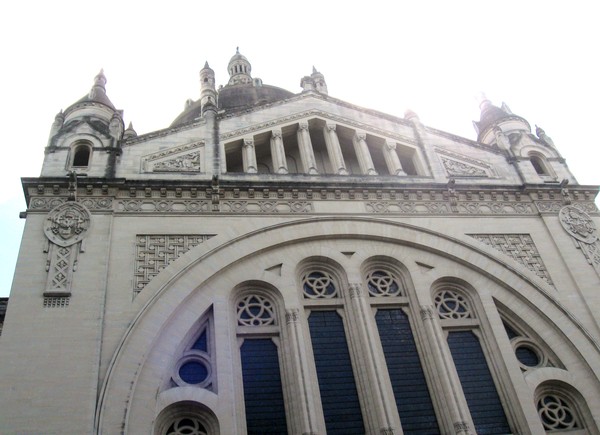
434 57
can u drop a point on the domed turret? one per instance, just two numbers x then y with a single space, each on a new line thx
495 119
95 103
239 69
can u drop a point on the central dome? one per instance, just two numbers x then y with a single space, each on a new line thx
242 91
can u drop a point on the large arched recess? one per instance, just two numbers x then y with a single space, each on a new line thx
172 302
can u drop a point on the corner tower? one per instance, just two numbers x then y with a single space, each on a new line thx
85 138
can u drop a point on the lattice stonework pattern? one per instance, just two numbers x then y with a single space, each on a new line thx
521 248
153 253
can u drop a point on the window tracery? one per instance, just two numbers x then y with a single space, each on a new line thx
382 283
255 310
319 285
452 305
186 426
557 413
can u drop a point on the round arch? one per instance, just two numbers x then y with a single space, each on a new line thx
175 285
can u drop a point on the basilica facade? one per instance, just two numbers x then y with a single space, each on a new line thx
277 262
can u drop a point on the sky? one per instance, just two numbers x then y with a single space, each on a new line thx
433 57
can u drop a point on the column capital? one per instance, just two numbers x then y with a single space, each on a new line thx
355 290
248 141
330 126
292 315
276 132
391 145
360 135
427 312
303 125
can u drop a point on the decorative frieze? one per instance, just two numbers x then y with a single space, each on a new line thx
244 206
48 203
439 207
154 252
163 206
521 248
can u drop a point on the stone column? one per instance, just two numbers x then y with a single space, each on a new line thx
333 149
249 156
443 365
307 154
362 152
305 408
391 158
380 401
278 153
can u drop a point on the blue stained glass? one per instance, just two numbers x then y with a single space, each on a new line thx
415 408
193 372
202 342
263 394
339 397
477 384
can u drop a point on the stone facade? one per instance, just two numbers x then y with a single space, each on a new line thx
276 262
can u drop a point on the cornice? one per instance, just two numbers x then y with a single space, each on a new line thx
229 197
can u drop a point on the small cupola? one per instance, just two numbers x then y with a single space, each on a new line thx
239 69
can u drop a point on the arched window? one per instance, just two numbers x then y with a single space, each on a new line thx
457 316
189 418
541 166
562 409
81 155
388 293
258 327
327 323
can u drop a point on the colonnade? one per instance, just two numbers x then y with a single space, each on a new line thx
339 165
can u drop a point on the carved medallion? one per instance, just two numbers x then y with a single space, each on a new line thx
67 224
578 224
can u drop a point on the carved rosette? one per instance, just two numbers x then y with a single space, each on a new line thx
65 227
579 225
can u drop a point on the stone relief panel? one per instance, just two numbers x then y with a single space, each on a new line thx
579 225
185 158
65 228
521 248
154 252
457 165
